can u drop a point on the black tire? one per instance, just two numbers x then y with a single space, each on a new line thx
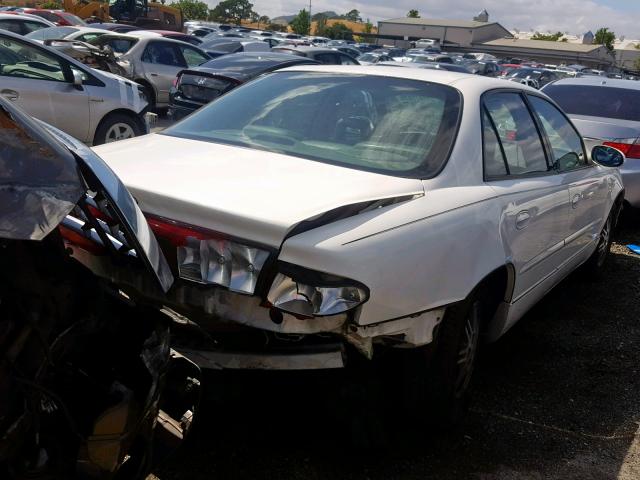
438 382
126 124
594 265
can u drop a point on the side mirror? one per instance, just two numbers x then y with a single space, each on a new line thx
607 156
77 79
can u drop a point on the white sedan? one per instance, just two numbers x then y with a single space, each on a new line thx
322 210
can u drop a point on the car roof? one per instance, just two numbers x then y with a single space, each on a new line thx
597 81
307 49
462 81
26 16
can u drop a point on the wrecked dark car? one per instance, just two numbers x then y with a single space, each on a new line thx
89 387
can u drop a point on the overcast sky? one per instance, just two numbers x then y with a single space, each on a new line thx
574 16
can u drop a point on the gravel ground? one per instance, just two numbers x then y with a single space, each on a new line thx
556 398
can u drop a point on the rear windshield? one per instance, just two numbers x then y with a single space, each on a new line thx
591 100
248 65
388 125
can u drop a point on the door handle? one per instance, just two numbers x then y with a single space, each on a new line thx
153 74
576 200
522 219
9 94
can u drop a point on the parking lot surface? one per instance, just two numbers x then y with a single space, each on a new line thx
556 398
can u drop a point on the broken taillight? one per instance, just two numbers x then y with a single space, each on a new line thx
208 257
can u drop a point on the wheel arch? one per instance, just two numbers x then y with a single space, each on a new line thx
147 84
495 289
121 111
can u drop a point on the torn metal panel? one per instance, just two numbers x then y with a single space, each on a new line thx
411 331
39 179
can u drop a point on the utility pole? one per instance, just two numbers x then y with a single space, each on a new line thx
309 17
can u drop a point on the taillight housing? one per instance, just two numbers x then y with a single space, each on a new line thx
211 258
629 146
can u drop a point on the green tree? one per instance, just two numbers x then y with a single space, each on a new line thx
368 26
605 37
551 37
263 20
192 9
301 24
636 65
339 31
321 25
413 14
51 5
232 11
353 16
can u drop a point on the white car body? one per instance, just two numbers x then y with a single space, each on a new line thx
77 110
429 245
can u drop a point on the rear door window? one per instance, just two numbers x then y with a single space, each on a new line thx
163 54
517 132
347 60
193 57
566 144
11 26
327 58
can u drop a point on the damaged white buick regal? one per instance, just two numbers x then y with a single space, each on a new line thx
322 212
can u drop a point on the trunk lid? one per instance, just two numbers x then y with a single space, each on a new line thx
249 194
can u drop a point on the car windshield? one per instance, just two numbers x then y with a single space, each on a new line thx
389 125
595 101
51 33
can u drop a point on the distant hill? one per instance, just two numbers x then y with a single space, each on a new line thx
288 18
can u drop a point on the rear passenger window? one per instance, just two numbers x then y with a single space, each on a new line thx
347 60
11 26
517 132
566 144
494 162
327 58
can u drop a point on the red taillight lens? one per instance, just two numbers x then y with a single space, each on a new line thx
207 257
630 149
174 232
175 82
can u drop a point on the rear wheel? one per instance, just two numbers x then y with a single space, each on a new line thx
439 375
594 265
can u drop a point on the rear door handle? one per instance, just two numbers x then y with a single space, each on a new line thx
576 200
153 74
10 94
522 219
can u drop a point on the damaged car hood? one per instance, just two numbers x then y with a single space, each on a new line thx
238 191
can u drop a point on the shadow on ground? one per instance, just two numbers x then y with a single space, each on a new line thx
556 398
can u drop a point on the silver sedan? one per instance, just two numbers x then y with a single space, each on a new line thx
93 106
153 62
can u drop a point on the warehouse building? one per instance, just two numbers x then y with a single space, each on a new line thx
479 35
450 33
